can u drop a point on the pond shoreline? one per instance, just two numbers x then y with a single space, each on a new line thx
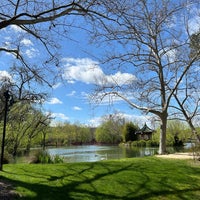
97 152
93 153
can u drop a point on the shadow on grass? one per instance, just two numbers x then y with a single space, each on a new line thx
105 180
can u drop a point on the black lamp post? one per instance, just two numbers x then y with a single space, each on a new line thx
7 98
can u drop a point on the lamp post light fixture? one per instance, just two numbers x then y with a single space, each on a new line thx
7 99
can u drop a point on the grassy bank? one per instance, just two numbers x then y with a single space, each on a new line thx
137 178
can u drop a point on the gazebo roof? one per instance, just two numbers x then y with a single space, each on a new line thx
145 129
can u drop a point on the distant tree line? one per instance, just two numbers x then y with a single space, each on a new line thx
113 130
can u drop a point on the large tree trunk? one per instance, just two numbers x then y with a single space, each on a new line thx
163 131
28 146
15 149
44 141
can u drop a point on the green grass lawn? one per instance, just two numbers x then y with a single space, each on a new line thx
135 178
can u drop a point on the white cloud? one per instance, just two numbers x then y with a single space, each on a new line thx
169 54
139 120
102 98
193 23
77 108
16 29
57 85
32 52
4 75
85 70
26 42
72 93
7 44
121 78
59 116
55 101
89 72
95 122
85 95
8 38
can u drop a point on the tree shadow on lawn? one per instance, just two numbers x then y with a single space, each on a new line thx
111 183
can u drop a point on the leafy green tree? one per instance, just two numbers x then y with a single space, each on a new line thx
85 134
128 132
25 123
17 128
57 135
40 124
25 120
102 134
79 134
177 129
66 133
110 131
44 137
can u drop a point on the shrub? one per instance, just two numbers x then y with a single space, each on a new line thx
7 158
195 150
134 143
57 159
154 143
148 143
44 157
142 143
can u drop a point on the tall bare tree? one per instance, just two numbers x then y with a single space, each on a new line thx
187 100
25 85
150 40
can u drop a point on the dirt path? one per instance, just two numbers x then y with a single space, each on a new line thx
177 156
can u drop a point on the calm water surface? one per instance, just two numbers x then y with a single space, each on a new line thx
92 153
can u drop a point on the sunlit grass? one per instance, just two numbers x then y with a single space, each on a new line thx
137 178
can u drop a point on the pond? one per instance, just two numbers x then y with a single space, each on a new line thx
92 153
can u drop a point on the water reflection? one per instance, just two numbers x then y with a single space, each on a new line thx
92 153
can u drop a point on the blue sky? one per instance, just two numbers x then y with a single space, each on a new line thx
69 99
81 69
